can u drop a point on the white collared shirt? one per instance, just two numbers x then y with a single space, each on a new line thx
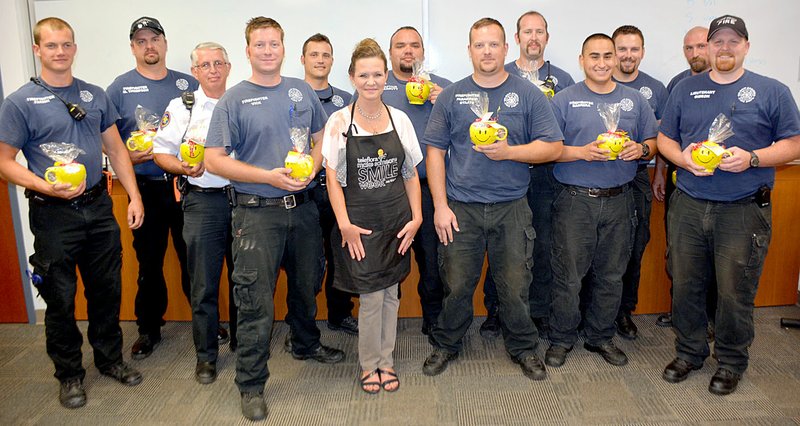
173 126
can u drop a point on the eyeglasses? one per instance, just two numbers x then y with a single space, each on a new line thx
206 66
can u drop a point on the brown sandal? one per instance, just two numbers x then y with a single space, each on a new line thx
366 384
393 379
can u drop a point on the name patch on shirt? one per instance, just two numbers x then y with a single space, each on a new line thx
254 101
388 87
581 104
135 89
37 100
702 94
467 98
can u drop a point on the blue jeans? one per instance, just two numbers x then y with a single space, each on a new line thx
263 237
643 200
89 237
207 232
542 190
504 232
425 245
726 242
589 232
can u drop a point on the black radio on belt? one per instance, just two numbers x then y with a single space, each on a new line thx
763 196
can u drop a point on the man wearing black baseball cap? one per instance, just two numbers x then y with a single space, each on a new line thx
728 21
720 221
146 22
152 86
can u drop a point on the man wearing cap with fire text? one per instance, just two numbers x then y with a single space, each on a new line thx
720 221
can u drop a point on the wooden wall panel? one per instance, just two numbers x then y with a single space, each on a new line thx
11 292
778 283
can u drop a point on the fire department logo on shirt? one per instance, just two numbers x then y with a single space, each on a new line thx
511 100
295 95
626 104
554 79
338 101
646 92
86 96
181 84
165 119
746 94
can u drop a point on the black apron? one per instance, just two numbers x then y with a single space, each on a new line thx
376 200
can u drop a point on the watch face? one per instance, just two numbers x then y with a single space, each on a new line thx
753 159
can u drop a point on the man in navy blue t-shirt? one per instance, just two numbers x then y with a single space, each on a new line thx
629 45
593 215
532 37
479 196
274 222
317 60
406 49
72 226
152 86
720 221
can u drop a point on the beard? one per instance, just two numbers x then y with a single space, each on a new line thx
152 59
698 64
725 63
627 67
406 68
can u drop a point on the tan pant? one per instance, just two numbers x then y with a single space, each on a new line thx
377 328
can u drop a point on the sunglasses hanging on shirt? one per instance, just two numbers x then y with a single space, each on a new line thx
75 111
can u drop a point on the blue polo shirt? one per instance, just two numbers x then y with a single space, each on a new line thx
31 116
762 111
576 111
652 90
473 177
254 122
132 89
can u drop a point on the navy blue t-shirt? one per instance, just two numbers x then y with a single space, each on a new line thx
762 111
255 121
132 89
561 78
680 76
471 176
31 116
576 111
333 99
652 90
394 94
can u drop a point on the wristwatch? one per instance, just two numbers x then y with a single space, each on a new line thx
753 159
645 150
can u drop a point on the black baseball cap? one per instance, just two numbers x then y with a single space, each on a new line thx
728 21
146 22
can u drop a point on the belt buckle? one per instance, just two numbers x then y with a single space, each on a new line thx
594 192
289 202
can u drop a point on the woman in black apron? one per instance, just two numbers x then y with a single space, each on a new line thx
374 191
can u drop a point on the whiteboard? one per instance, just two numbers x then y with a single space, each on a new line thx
102 27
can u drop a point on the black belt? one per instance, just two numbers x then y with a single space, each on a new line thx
157 179
641 167
211 190
288 202
87 197
599 192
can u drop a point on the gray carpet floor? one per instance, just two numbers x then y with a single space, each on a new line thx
482 387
